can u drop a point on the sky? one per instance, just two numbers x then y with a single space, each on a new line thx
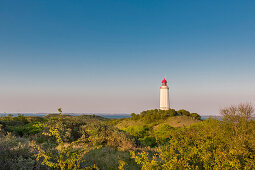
98 56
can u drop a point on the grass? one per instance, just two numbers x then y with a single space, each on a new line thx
179 121
128 122
176 121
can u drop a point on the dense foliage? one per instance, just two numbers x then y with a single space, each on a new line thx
212 144
16 153
153 139
157 114
60 141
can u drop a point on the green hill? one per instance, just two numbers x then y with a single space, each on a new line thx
150 126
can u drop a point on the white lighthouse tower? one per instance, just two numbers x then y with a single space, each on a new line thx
164 96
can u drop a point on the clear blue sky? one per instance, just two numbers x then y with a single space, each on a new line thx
110 56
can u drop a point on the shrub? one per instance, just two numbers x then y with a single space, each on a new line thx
62 155
135 116
183 112
100 133
148 141
139 131
16 153
109 158
195 116
25 130
163 133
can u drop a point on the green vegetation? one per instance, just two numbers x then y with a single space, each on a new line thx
153 139
211 144
150 116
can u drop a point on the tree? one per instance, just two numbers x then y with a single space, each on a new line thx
239 122
242 112
183 112
134 116
172 112
195 116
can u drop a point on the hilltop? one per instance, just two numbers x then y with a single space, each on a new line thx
147 124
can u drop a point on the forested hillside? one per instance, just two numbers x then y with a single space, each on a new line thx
153 139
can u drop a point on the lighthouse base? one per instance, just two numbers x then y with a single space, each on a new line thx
164 108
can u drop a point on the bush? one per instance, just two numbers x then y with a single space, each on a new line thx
135 116
109 158
163 133
183 112
195 116
61 155
25 130
139 131
149 141
16 153
150 116
99 133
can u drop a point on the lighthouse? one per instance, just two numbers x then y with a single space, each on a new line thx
164 95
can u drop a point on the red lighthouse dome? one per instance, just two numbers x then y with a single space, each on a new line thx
164 81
